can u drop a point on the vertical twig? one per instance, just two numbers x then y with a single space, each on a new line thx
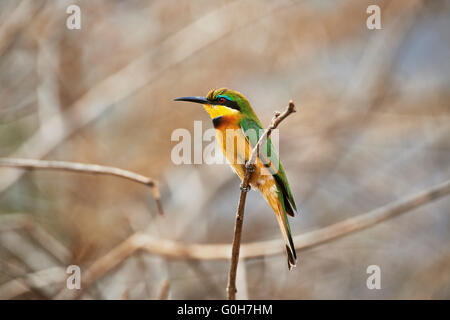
231 287
250 167
164 290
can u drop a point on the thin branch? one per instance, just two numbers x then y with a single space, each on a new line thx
181 250
31 164
104 265
16 21
35 282
133 77
164 290
231 286
25 222
250 167
276 120
175 249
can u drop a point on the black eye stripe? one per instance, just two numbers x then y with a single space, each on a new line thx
228 103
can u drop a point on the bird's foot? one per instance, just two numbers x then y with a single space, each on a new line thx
250 167
247 189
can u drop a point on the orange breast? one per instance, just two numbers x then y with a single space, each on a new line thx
237 150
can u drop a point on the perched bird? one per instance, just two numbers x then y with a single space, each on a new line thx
231 111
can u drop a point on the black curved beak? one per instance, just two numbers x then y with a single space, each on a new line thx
201 100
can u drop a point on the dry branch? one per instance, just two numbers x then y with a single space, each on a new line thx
164 290
26 223
181 250
231 286
35 282
276 120
250 167
31 164
134 76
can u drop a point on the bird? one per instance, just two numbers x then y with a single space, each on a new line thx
230 111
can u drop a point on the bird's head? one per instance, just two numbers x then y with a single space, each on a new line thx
222 102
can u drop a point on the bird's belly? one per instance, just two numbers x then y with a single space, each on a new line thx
237 150
234 147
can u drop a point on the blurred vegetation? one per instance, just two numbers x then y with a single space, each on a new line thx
373 125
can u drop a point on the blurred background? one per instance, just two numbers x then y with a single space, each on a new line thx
373 126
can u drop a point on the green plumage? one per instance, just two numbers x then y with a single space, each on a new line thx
232 108
253 130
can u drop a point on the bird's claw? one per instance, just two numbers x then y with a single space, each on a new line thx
247 189
250 167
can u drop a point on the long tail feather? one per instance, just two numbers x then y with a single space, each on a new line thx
276 201
285 231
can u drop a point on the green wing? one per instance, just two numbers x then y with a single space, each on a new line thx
253 130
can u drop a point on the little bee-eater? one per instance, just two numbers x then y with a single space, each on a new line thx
231 112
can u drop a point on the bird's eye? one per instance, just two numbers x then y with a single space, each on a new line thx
222 100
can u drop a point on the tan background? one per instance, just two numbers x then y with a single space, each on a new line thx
373 125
